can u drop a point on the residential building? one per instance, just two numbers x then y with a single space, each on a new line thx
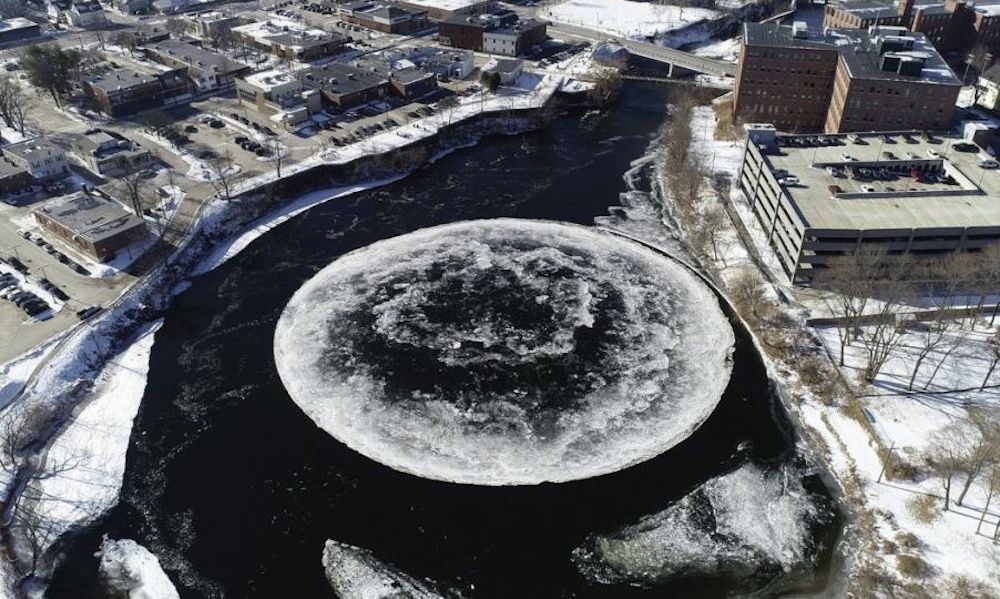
108 154
988 88
820 197
290 39
882 79
442 10
949 25
380 16
209 70
18 28
344 86
86 14
280 95
40 157
91 223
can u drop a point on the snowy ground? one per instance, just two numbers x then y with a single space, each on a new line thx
626 18
90 454
728 50
905 422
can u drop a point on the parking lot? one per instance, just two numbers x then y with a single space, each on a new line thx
18 329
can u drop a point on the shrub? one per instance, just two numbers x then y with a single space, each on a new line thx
924 508
913 566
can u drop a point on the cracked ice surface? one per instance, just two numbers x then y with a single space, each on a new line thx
748 523
355 573
505 352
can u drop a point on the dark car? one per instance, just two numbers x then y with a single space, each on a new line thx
216 124
190 129
88 312
17 264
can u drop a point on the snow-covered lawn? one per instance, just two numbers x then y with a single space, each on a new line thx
626 18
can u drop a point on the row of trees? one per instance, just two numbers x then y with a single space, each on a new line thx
870 288
52 68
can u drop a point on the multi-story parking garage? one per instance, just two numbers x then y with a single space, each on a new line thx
822 196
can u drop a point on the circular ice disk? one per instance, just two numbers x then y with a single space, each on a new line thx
505 352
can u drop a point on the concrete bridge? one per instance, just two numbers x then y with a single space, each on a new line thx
669 56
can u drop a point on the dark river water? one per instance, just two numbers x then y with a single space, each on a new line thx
235 489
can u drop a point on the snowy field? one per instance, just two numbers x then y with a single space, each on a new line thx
626 18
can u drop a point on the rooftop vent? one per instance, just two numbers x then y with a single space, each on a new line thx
800 29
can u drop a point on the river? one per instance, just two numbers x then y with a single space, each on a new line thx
236 490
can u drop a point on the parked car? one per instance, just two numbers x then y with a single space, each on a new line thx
216 124
989 164
88 312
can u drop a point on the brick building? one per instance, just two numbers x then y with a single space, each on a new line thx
498 32
949 25
91 223
387 18
883 79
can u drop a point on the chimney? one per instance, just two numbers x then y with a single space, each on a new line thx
905 8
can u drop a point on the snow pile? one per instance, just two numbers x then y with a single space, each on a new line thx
89 457
728 50
505 352
627 18
355 573
129 570
746 523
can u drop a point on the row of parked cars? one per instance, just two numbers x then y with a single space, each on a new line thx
52 251
252 124
11 290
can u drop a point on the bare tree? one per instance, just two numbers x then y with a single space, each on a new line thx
955 340
448 104
275 153
714 220
223 175
126 40
749 293
930 336
175 27
982 446
994 350
947 454
133 188
992 484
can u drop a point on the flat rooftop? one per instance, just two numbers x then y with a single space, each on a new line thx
272 78
120 79
895 200
445 4
859 50
89 216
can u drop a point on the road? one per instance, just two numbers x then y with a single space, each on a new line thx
680 58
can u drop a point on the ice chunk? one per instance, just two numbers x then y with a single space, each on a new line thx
129 570
354 573
432 354
746 523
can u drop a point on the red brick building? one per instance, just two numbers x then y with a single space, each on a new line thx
950 25
836 81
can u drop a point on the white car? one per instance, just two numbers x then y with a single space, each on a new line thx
933 153
990 164
867 189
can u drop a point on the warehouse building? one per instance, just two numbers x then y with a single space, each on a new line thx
817 197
